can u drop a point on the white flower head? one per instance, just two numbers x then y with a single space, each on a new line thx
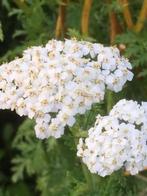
53 83
118 140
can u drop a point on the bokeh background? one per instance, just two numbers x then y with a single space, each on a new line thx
29 167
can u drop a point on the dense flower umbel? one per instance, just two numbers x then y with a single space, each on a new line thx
118 140
54 83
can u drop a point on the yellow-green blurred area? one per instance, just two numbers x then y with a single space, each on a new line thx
30 167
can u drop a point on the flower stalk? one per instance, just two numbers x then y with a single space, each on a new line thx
141 18
126 13
85 16
60 25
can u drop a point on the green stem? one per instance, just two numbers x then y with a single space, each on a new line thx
88 176
109 100
141 177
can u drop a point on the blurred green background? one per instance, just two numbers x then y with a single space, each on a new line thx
29 167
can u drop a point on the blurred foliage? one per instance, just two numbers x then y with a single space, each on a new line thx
136 48
29 166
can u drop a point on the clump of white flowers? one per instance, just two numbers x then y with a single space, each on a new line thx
118 140
54 83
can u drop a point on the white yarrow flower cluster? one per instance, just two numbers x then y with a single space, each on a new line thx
54 83
118 140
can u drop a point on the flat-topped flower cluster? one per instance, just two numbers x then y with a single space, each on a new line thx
117 140
54 83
